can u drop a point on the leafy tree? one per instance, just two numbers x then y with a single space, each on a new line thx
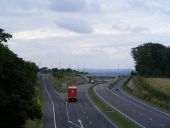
151 59
17 81
4 36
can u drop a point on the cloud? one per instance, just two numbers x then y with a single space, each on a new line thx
68 5
75 25
75 5
131 29
12 7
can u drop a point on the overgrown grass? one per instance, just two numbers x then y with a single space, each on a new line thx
150 93
38 97
161 84
122 122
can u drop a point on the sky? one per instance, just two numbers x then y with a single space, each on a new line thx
84 33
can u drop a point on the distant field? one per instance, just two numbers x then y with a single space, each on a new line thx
161 84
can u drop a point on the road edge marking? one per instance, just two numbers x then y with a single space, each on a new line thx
139 101
110 121
117 109
54 117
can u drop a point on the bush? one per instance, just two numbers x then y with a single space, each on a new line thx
34 112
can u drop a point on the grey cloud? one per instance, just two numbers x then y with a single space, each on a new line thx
75 25
139 30
75 5
135 29
15 7
150 6
68 5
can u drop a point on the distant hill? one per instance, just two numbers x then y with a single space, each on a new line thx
108 72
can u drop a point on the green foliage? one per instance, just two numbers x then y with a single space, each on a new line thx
17 81
152 59
4 36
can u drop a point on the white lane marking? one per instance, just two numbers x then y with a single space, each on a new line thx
136 104
80 123
52 104
67 111
66 108
74 124
68 119
117 109
100 111
138 100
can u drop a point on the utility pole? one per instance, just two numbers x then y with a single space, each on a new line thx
118 69
78 68
59 65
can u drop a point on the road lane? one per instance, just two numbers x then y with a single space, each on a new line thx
138 102
144 116
81 114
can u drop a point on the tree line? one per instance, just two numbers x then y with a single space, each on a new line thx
17 82
152 59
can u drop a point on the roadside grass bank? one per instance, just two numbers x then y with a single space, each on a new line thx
153 90
69 79
116 117
38 98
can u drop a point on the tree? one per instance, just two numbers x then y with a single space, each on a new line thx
17 88
152 59
4 36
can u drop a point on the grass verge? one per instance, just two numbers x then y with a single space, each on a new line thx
146 89
122 122
69 79
37 123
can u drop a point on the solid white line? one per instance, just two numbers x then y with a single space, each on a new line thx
138 100
117 109
52 104
100 111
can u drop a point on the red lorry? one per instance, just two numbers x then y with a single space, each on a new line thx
72 93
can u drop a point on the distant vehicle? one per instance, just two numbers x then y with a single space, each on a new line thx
92 81
72 93
117 89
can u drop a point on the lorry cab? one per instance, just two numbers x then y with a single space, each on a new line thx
72 93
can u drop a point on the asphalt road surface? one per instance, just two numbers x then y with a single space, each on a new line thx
143 115
58 113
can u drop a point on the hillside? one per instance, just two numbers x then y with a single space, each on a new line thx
153 90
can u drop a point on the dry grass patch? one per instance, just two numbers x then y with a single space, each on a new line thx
161 84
